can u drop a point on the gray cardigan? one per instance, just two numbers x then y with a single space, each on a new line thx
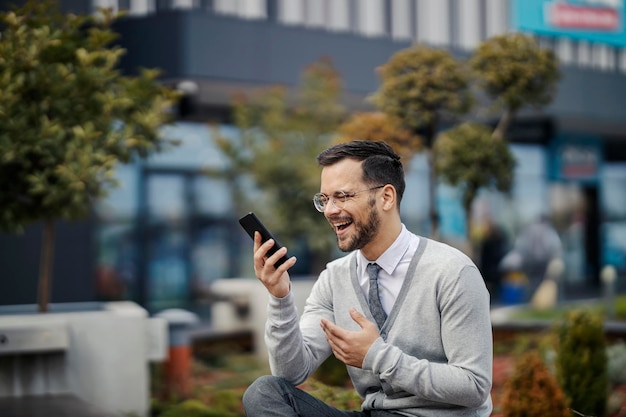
434 356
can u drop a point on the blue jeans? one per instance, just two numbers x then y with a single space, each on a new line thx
271 396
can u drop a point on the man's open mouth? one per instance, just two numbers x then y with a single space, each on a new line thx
341 225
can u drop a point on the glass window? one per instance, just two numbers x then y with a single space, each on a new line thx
167 267
316 13
415 202
497 17
339 15
195 151
291 11
613 203
613 196
439 27
213 196
401 27
371 17
140 7
614 244
530 188
225 6
469 19
210 255
121 201
182 4
116 261
166 198
105 4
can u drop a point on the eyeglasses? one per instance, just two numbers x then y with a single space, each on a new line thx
338 199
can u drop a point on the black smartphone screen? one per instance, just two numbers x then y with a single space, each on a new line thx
251 223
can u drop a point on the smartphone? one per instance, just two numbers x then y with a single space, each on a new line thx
251 223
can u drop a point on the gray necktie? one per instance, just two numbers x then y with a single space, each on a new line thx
374 297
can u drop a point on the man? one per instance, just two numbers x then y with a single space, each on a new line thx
431 354
538 244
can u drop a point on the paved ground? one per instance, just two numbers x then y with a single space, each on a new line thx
65 405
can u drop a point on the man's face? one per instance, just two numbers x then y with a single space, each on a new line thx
355 222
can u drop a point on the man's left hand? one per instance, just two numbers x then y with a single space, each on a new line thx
350 347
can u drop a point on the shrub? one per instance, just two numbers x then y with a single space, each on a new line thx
338 397
532 391
332 372
581 362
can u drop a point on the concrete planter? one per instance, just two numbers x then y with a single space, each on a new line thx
506 326
98 352
251 297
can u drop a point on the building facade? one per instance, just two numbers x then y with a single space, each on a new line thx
169 230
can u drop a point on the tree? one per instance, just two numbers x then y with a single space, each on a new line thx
515 71
469 157
581 361
422 87
378 126
280 138
67 118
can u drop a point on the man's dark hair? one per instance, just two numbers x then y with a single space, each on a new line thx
381 165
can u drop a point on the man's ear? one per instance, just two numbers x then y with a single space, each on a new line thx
389 197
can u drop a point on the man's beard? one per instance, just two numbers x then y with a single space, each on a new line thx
364 232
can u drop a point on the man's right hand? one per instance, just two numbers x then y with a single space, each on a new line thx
276 280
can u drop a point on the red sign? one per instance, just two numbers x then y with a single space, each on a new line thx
578 161
563 15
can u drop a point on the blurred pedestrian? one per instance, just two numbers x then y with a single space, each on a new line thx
538 244
492 249
409 316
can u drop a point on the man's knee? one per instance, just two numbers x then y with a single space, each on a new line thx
265 388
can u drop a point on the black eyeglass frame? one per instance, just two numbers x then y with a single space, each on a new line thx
320 199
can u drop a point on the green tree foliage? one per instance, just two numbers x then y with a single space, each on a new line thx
423 86
67 117
469 157
281 136
378 126
532 391
515 71
581 362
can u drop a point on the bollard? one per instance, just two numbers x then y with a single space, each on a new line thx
177 367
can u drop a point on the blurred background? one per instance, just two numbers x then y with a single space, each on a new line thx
170 230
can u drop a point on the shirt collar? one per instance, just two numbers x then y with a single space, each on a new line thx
389 259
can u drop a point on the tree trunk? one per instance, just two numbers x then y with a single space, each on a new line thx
45 265
432 200
432 181
503 124
468 198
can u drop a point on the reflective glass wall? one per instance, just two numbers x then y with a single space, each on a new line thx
170 230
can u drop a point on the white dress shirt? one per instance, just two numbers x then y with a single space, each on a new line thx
394 263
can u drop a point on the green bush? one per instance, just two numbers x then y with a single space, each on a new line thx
620 308
341 398
332 372
223 401
532 391
581 362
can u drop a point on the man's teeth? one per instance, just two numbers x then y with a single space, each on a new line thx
342 225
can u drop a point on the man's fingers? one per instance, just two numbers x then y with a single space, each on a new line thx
359 318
